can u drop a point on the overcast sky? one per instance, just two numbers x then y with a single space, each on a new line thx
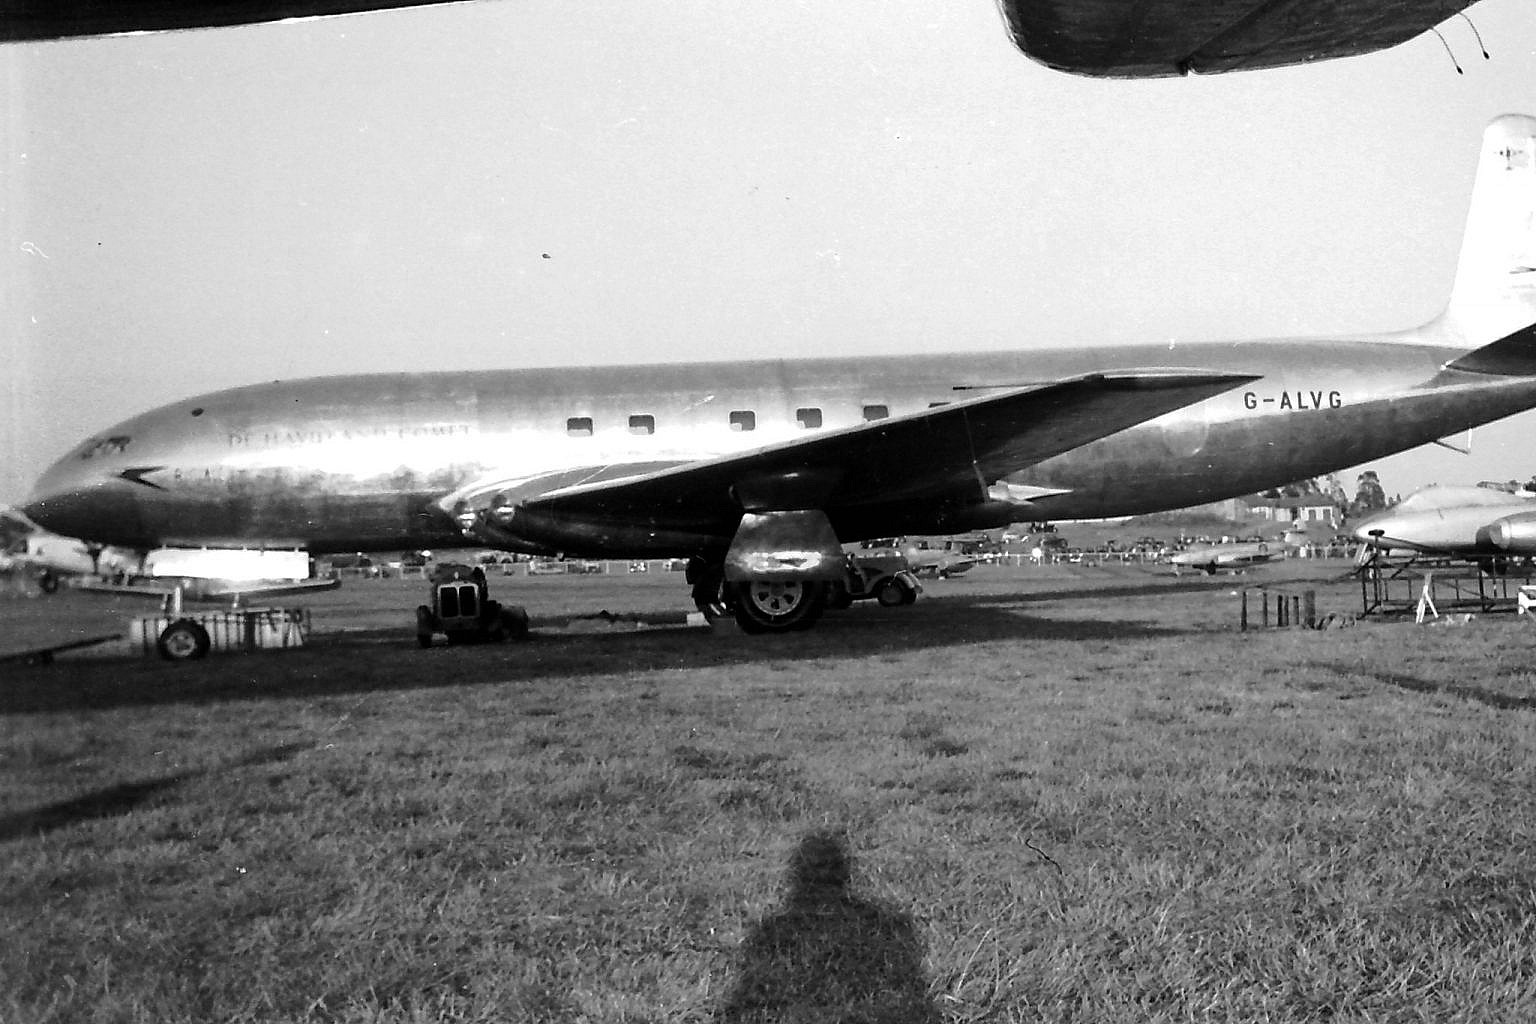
513 183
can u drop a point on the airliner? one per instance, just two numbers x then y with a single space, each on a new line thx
757 472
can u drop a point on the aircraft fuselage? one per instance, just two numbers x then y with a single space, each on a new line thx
361 462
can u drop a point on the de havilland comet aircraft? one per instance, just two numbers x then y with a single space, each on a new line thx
758 471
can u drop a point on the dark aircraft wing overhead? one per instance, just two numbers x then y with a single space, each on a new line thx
23 20
1161 38
948 452
1107 38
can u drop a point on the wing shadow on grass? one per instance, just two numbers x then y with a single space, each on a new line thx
827 954
388 660
1157 587
1476 694
115 801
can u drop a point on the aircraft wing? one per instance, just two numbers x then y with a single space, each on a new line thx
25 20
1107 38
950 452
1162 38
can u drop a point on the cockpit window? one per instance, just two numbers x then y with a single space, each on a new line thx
105 446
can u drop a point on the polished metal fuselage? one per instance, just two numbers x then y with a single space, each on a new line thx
361 462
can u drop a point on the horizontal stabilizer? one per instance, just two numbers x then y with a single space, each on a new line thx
1511 356
193 589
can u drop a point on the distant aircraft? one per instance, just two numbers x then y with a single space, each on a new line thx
758 472
1213 558
202 575
1106 38
1475 523
49 558
930 557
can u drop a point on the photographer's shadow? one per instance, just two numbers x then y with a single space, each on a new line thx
827 955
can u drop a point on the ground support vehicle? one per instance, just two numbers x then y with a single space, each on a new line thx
462 610
879 573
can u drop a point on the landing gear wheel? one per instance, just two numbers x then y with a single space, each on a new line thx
777 606
183 640
890 594
48 582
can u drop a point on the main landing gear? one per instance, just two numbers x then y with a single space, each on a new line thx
759 606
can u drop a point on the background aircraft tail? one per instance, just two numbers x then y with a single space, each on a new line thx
1494 294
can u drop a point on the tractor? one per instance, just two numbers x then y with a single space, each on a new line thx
462 610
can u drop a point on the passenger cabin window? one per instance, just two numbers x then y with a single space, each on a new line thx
809 419
642 424
579 426
876 412
743 419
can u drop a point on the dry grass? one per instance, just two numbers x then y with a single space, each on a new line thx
1091 802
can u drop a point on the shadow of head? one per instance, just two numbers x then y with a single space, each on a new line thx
821 866
827 954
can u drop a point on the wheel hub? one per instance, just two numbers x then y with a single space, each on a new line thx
776 597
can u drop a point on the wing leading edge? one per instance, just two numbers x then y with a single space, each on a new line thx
950 453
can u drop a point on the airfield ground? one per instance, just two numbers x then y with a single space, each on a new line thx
1066 794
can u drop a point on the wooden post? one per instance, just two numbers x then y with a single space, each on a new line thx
1264 603
1309 608
1242 611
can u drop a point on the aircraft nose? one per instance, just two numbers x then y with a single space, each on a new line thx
1369 530
93 507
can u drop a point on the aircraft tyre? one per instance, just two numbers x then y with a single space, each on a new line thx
48 582
183 640
891 594
778 606
424 626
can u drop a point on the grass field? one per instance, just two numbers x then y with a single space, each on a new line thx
1058 795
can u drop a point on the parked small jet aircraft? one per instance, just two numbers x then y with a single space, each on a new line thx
759 471
27 548
929 557
1475 523
1213 558
1115 38
202 575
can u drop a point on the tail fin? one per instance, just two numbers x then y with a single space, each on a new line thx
1494 295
